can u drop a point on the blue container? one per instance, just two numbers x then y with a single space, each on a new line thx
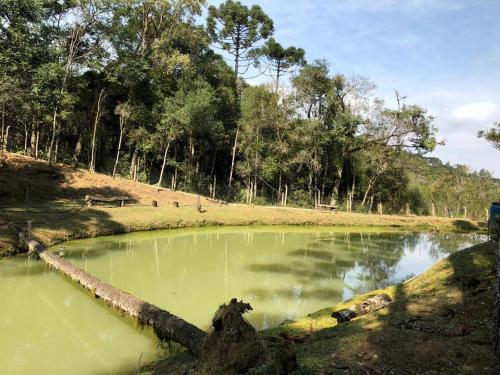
494 217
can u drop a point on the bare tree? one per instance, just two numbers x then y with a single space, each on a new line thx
98 115
123 110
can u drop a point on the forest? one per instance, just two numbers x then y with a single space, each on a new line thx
160 92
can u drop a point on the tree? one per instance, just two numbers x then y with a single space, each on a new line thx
313 84
77 37
276 60
236 29
259 114
492 135
123 111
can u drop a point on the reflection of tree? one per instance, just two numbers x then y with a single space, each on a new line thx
443 244
378 260
366 262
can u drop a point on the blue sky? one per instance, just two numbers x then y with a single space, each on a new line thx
441 54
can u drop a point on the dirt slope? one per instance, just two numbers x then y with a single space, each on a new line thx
60 182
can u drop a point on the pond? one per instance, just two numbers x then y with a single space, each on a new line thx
50 325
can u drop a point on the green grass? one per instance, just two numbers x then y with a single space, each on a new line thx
62 220
440 321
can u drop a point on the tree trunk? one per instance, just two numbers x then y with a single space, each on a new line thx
133 163
163 166
3 128
53 136
365 196
215 184
279 188
37 143
234 154
78 150
6 139
336 187
25 139
96 122
56 149
278 71
119 147
33 141
165 325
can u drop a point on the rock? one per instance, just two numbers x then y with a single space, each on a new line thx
445 312
371 304
344 315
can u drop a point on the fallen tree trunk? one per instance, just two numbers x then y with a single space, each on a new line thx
165 325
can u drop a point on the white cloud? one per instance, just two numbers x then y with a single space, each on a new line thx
477 113
398 5
462 147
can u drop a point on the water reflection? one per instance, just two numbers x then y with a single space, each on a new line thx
283 273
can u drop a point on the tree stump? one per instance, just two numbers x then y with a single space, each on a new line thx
154 203
234 346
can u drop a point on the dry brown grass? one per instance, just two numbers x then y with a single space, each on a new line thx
57 192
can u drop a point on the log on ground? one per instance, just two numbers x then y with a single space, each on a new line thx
166 326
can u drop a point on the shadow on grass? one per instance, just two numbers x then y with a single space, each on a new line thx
39 192
464 225
439 324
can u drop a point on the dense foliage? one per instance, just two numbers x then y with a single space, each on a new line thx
135 88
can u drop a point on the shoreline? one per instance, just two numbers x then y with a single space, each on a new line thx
51 229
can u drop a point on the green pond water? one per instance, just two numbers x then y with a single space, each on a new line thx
49 325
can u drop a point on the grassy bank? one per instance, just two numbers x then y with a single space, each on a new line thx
63 221
440 322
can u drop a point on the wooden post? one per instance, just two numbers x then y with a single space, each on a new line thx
407 209
465 212
198 204
433 209
286 194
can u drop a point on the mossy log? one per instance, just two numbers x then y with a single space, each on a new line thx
165 325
